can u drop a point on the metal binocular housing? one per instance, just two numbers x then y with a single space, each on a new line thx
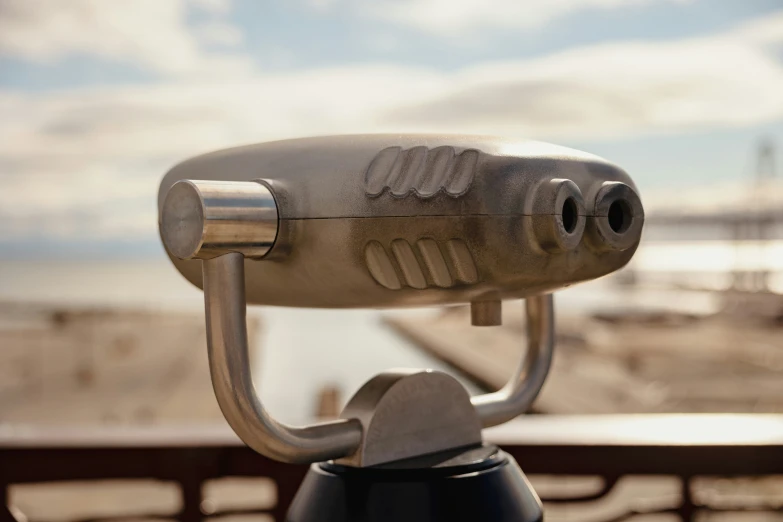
388 221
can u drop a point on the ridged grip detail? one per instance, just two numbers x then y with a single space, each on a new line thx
421 171
426 265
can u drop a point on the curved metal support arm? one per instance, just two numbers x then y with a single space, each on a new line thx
519 393
224 299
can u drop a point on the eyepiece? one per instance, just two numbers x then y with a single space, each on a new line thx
569 215
558 215
619 216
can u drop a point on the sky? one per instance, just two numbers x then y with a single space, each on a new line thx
99 98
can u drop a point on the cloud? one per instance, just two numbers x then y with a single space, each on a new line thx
453 18
613 90
151 34
218 33
85 163
213 6
766 32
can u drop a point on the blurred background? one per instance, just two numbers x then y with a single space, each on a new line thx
98 99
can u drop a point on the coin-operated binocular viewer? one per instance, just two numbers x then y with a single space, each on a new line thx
387 221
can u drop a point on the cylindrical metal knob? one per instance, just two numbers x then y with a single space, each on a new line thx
205 219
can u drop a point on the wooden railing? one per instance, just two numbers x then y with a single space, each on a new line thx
610 447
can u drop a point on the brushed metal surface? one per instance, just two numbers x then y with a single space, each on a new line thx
462 261
409 265
408 413
205 219
421 171
425 264
503 237
524 386
486 313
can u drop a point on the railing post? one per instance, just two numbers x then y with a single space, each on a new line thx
288 479
191 499
5 509
687 508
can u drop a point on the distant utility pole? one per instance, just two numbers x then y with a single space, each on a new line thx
757 220
765 166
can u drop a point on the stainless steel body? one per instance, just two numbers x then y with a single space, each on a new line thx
391 221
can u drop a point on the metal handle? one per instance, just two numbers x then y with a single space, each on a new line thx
222 223
229 365
521 390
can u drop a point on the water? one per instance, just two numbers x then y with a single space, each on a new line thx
305 350
711 262
302 350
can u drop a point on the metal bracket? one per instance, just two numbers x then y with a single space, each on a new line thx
409 413
516 397
394 416
229 366
224 297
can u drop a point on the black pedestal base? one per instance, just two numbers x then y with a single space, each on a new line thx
478 484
